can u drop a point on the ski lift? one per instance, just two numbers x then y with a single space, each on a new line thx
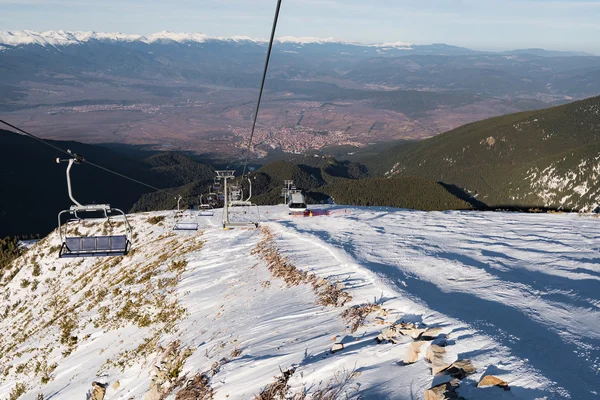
250 220
183 225
90 246
297 202
206 209
235 193
216 185
212 199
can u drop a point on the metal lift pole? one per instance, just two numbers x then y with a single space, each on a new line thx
225 206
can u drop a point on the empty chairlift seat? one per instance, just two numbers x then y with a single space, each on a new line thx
206 210
189 225
186 226
94 246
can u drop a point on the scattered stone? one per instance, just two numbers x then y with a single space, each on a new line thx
434 352
443 391
413 350
98 391
389 334
337 347
384 313
413 333
116 385
435 355
460 369
490 380
431 334
403 329
410 329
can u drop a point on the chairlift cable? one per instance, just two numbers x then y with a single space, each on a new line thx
125 177
80 159
35 137
262 85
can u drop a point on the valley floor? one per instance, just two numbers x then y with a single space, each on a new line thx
516 294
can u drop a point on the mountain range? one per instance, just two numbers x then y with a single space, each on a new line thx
59 38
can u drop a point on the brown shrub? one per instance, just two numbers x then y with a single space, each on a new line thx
356 315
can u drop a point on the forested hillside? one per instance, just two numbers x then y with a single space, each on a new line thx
548 158
34 187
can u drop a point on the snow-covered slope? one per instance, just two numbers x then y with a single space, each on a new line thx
516 295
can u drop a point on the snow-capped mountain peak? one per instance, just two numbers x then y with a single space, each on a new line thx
66 38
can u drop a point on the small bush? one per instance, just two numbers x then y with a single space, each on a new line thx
19 389
357 315
156 219
197 388
277 389
36 270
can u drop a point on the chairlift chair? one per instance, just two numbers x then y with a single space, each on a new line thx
90 246
206 209
183 225
237 203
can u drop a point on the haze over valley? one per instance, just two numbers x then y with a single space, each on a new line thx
197 93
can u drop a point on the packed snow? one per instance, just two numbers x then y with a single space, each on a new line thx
517 295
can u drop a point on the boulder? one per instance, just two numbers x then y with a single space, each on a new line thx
337 347
460 369
413 350
491 380
431 334
443 391
98 391
435 355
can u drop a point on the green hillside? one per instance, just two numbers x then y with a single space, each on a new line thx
345 183
414 193
539 158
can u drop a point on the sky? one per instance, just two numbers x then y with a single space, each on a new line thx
477 24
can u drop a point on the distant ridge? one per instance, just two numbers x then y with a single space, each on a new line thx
58 38
66 38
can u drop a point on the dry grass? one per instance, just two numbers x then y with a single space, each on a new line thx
18 390
155 219
337 387
357 315
140 292
198 388
278 389
329 294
